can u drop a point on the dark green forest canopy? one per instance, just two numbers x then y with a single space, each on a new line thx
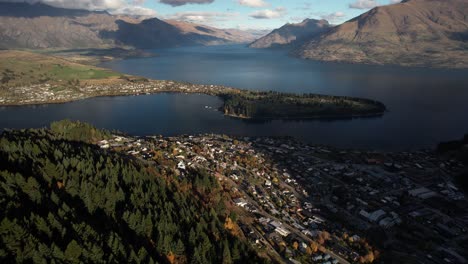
78 131
68 201
275 105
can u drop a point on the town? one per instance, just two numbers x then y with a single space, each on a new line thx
316 204
60 93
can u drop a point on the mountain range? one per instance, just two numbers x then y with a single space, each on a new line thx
427 33
39 26
430 33
291 34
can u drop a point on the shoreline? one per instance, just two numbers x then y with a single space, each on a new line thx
35 79
317 117
298 174
44 94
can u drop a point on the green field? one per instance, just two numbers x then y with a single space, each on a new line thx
24 68
79 72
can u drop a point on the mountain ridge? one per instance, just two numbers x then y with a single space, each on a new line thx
40 26
291 34
430 33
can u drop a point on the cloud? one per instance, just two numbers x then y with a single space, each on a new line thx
131 7
184 2
203 17
364 4
333 17
253 3
368 4
134 10
269 13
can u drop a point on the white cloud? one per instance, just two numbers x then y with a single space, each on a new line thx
253 3
333 17
269 13
184 2
135 10
131 7
368 4
210 18
364 4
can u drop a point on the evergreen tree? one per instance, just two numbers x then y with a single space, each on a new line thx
227 259
73 252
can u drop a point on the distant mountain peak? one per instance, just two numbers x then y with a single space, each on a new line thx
291 34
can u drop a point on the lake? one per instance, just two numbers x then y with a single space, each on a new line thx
426 106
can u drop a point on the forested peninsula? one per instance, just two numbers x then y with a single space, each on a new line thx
274 105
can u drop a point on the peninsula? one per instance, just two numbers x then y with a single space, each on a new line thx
29 78
274 105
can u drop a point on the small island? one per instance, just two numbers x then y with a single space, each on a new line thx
29 78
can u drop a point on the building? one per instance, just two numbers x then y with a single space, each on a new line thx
240 202
422 193
282 231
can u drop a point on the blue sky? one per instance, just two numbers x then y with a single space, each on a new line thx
262 14
243 14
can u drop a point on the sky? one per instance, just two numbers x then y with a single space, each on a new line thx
242 14
263 14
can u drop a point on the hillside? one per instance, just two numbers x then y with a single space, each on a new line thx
291 34
39 26
67 201
20 68
413 33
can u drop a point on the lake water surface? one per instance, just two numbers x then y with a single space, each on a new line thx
426 106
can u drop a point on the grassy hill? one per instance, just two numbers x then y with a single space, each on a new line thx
24 68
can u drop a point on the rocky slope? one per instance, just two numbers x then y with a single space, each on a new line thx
39 26
291 34
413 33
